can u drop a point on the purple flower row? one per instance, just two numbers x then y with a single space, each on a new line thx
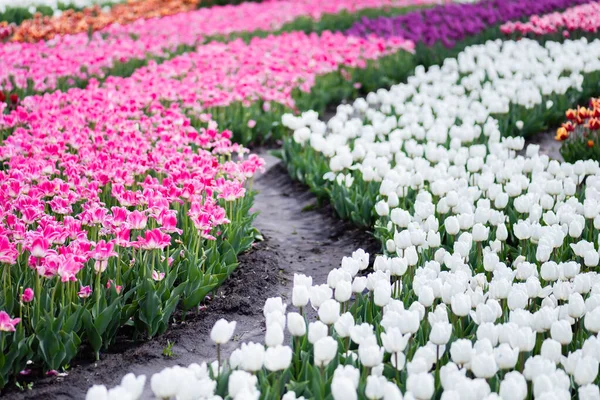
453 22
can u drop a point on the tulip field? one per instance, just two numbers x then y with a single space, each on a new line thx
159 157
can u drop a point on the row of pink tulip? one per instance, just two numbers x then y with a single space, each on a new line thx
585 18
114 211
59 62
267 69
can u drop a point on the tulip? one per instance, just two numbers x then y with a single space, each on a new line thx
274 304
506 357
325 350
513 386
300 296
461 351
296 324
319 294
369 353
97 392
592 320
394 341
329 311
27 295
134 385
6 323
278 358
375 388
344 325
551 350
461 304
484 365
440 333
343 291
382 293
420 385
316 330
359 284
222 331
589 392
561 332
342 388
165 383
576 305
274 335
253 356
586 371
240 382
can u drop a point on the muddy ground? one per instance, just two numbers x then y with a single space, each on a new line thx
300 237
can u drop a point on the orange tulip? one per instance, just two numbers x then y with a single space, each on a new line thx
568 126
93 19
590 143
561 134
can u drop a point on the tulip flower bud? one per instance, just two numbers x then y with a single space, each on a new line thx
359 284
375 388
440 333
222 331
513 386
343 291
316 330
325 350
461 351
300 296
278 358
329 311
274 335
344 324
586 371
576 305
451 225
421 385
296 324
343 389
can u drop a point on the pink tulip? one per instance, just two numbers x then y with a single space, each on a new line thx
27 295
84 292
585 17
6 323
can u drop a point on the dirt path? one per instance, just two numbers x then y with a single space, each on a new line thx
296 241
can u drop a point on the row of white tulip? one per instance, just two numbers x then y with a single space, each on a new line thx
376 339
55 5
488 286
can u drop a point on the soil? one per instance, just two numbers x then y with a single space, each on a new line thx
300 237
548 145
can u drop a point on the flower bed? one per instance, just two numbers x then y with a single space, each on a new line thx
95 18
580 19
70 60
442 32
579 134
247 87
349 166
15 13
435 327
115 212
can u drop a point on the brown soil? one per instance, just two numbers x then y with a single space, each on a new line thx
300 237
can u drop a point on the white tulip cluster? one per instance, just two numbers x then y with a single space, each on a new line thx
505 241
456 331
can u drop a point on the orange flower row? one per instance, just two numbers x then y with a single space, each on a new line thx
585 117
93 18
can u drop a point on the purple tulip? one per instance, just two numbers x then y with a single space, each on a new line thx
451 23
